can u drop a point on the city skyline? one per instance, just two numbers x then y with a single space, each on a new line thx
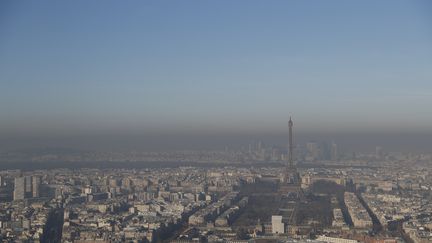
216 121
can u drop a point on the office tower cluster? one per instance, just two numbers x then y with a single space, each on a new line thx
315 151
26 187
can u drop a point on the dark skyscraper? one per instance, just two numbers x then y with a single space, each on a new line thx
28 184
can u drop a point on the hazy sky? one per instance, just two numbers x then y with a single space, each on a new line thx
214 67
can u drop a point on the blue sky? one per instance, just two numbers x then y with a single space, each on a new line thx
76 67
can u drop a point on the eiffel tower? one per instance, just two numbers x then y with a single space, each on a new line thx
290 191
291 180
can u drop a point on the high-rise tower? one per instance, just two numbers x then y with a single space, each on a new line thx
19 188
36 181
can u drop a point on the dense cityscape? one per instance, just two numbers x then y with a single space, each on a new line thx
216 121
225 196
